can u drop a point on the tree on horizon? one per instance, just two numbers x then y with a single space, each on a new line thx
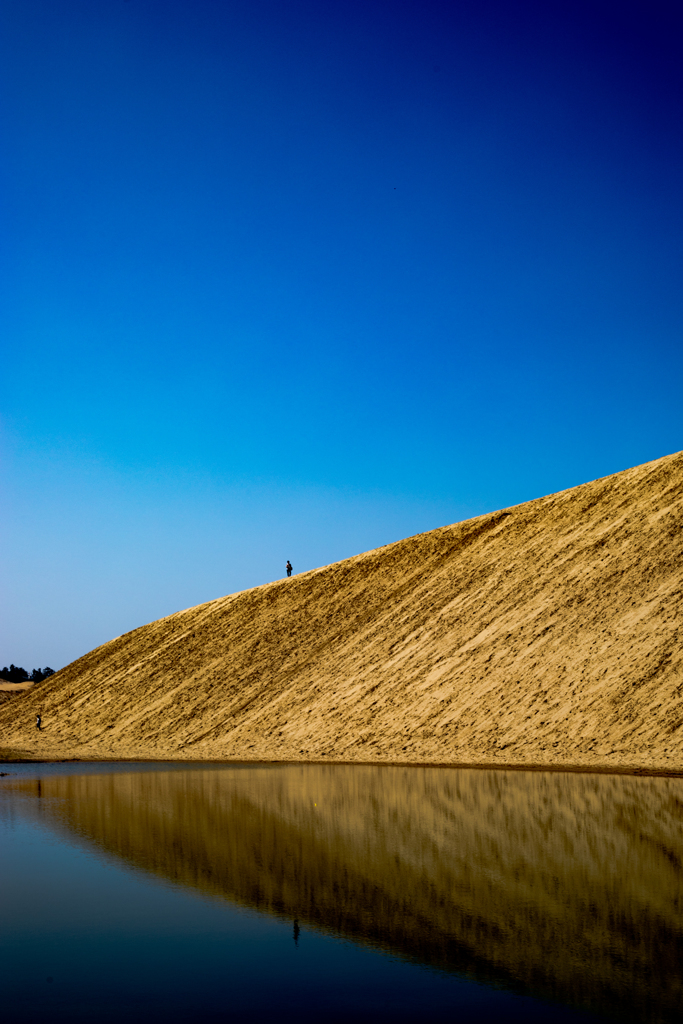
17 674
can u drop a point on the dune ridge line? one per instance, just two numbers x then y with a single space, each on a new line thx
545 634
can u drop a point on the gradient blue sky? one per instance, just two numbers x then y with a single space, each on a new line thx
293 279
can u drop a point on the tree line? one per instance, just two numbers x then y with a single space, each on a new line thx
16 674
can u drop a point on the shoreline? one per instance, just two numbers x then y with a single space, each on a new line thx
8 757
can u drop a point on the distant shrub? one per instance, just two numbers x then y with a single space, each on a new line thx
16 674
39 674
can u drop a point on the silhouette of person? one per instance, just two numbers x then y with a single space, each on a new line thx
296 933
288 567
38 721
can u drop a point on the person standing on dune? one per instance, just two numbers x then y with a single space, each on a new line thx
38 722
288 567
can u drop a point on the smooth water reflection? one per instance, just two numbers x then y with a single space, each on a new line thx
562 887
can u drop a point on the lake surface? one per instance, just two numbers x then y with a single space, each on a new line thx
308 892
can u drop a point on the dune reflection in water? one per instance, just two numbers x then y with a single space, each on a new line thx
567 886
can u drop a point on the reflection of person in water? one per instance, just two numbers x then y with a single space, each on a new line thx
288 567
296 933
38 721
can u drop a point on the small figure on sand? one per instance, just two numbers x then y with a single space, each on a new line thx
38 721
288 567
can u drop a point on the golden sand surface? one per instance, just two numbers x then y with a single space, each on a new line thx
545 634
564 885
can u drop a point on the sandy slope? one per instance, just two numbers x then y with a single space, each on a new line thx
548 633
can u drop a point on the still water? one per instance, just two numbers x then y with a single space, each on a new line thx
337 893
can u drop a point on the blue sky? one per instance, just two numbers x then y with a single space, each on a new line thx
294 280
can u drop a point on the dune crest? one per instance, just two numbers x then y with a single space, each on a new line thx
544 634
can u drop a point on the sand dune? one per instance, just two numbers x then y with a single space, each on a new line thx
544 634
